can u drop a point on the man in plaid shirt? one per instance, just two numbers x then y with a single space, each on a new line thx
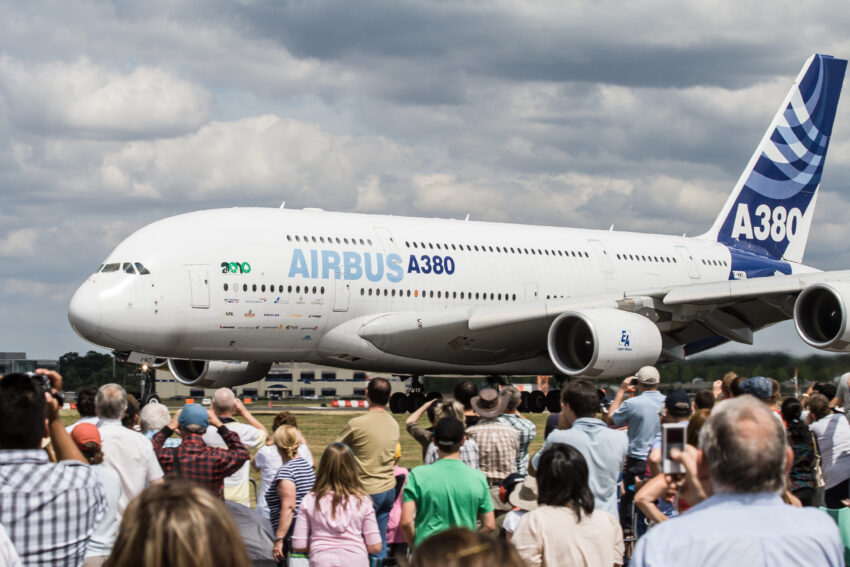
524 427
49 510
193 459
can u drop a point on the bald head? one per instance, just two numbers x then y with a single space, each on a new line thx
744 447
222 401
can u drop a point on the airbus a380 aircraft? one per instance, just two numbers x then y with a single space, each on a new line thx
222 294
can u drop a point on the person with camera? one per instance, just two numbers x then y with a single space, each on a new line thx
735 479
640 414
48 509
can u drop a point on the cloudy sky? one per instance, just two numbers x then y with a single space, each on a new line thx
574 113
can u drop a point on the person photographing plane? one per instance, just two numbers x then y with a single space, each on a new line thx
640 415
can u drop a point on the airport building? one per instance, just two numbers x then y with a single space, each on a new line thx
11 362
285 381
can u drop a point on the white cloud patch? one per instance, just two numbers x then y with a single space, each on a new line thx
84 99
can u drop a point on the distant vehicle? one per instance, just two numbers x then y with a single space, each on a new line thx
222 294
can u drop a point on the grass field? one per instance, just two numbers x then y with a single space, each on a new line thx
320 428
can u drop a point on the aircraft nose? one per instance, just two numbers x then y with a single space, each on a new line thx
84 312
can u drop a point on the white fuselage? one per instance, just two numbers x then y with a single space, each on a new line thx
267 284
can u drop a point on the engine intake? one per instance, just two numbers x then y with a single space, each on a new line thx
820 315
603 343
217 373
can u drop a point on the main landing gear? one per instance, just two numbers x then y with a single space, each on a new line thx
413 399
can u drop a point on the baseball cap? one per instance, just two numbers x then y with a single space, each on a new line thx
757 386
678 404
648 375
448 432
193 414
85 433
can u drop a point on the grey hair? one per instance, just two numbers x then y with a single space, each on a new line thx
744 445
154 416
223 400
111 401
449 408
513 397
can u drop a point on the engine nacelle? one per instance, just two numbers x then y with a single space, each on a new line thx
217 373
603 343
820 315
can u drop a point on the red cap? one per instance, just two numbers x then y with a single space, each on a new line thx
85 433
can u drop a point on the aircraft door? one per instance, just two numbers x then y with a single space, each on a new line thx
602 257
200 285
342 292
687 258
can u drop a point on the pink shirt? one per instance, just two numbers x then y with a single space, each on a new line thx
336 541
394 533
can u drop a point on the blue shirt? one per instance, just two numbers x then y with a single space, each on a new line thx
742 529
641 415
604 450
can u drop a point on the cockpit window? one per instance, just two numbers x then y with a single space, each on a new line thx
142 270
111 268
128 268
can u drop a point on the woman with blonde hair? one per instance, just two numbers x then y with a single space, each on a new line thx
291 484
177 523
336 524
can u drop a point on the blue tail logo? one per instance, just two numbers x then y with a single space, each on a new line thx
770 211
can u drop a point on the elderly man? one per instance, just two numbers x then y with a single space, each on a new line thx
48 509
193 459
741 465
127 451
252 434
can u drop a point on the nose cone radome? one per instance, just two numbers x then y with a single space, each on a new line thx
84 313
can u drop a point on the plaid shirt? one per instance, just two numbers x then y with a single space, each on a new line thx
527 432
205 465
498 446
48 509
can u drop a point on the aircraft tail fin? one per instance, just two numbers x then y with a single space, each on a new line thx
771 207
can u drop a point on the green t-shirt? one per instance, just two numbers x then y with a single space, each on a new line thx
447 493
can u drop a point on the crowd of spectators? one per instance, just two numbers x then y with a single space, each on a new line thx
127 487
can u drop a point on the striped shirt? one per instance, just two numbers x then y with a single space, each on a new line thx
498 445
527 432
48 509
299 472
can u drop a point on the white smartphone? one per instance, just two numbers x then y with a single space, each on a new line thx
672 436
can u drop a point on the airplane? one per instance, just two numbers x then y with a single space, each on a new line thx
220 295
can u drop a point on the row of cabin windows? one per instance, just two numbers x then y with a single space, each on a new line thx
645 258
320 290
713 262
424 294
329 239
499 249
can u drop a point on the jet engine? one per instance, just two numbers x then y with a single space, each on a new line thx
217 373
602 343
820 315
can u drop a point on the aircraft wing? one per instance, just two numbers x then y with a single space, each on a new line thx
690 318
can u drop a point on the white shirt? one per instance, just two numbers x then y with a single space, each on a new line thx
92 419
236 485
131 455
8 555
103 537
833 435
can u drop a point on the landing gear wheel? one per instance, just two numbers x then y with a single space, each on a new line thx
536 401
553 401
415 401
398 403
150 398
434 396
523 404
